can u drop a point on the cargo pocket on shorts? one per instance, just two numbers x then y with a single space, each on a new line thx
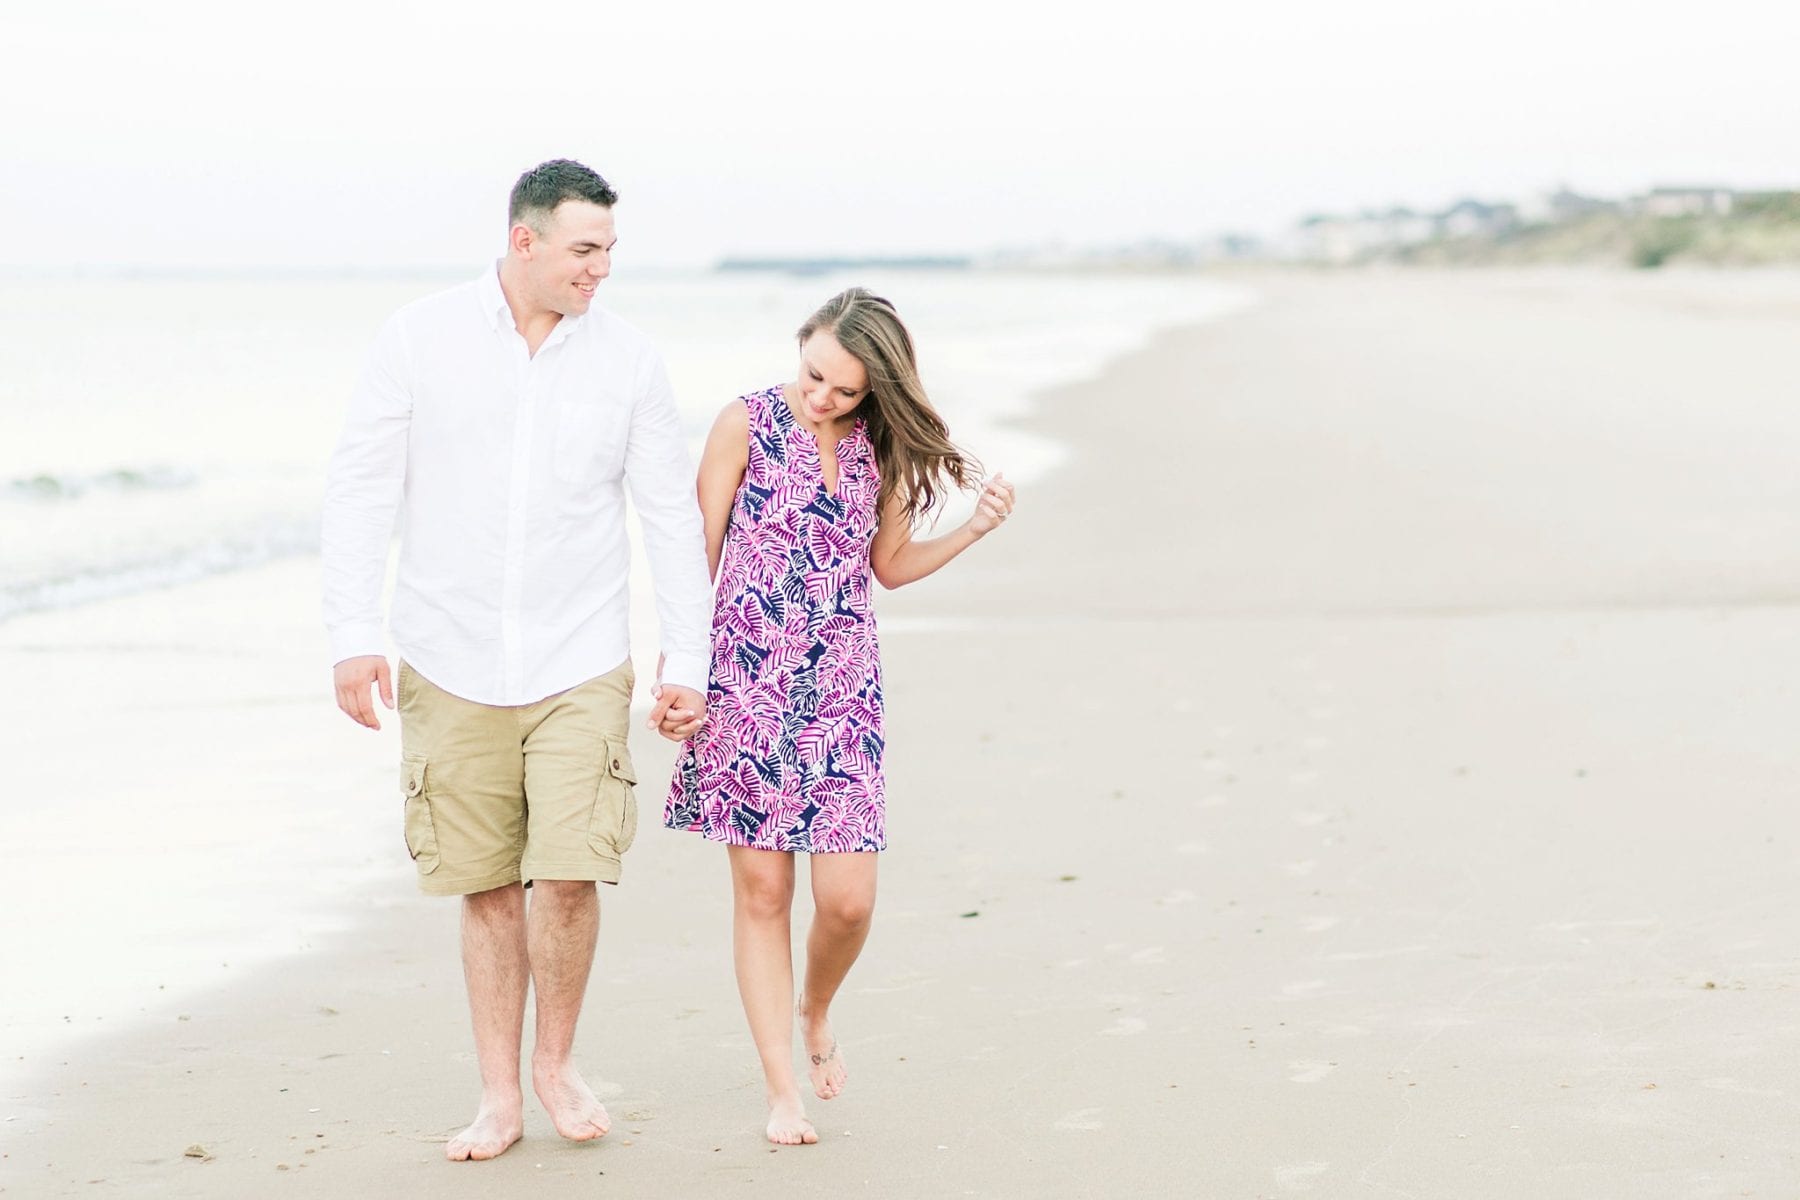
613 826
421 834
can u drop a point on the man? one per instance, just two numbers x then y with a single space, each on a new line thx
500 419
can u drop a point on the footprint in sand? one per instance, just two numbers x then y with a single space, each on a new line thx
1308 1070
1082 1120
1125 1027
1299 1177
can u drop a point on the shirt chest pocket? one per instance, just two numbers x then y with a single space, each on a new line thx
590 438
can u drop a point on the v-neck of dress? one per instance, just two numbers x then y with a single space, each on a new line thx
837 451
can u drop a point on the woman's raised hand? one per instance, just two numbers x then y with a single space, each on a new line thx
994 507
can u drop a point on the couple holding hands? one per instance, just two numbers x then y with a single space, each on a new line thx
500 421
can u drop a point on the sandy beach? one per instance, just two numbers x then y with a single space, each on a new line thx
1362 769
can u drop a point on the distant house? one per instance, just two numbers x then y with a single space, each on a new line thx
1472 218
1332 239
1151 252
1560 206
824 266
1687 202
1367 235
1232 247
1404 227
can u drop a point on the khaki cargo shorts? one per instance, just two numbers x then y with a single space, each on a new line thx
507 795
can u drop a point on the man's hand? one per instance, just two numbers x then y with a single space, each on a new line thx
678 713
352 678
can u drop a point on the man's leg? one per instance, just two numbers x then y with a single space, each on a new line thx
496 969
578 778
564 923
463 772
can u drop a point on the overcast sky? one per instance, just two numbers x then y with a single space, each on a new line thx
372 133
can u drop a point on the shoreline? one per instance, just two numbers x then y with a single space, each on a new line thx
1229 858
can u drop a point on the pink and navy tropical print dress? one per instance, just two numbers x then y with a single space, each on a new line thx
790 755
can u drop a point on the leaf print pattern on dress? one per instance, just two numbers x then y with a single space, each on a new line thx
790 755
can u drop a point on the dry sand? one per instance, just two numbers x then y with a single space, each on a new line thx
1365 769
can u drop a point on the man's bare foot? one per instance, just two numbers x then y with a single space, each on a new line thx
494 1129
572 1106
824 1061
788 1125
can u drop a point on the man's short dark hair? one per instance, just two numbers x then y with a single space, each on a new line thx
547 185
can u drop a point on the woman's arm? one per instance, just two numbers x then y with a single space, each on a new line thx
898 560
722 465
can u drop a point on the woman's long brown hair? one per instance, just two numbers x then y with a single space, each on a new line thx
912 444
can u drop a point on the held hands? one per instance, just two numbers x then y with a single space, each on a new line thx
678 713
994 507
352 678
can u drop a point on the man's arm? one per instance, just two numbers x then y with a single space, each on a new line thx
362 496
661 478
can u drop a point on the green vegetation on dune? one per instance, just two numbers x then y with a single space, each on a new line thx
1761 230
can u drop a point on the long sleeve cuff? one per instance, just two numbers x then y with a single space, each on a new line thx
685 670
356 640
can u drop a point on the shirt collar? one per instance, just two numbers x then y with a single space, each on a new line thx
499 313
493 300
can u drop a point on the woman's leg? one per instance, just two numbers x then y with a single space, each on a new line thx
762 904
843 887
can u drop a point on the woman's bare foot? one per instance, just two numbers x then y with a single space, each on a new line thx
575 1111
495 1127
788 1125
824 1061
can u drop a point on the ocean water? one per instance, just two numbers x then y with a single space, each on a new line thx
158 430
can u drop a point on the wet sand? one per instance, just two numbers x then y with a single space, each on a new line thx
1363 769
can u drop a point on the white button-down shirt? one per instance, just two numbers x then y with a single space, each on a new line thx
507 470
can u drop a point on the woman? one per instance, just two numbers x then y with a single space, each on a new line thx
808 489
